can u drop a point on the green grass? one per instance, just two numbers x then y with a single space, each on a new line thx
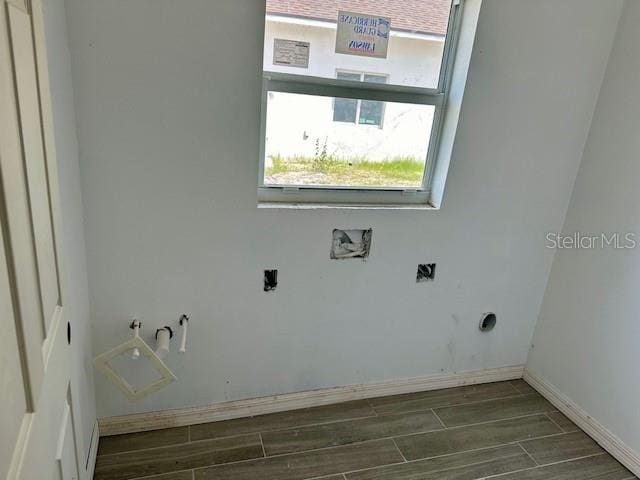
331 170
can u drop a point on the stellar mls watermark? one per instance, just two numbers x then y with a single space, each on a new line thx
591 241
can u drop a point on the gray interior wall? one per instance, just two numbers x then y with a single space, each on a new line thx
76 294
168 106
587 339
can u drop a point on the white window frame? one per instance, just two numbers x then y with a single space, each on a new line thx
331 87
359 100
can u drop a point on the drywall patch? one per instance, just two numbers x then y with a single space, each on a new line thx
270 280
426 272
350 243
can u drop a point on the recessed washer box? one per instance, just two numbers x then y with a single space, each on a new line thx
350 243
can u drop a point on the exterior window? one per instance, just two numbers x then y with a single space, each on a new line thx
366 112
334 130
345 110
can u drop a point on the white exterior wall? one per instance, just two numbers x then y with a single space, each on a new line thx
294 124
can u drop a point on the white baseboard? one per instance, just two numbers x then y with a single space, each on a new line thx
90 465
607 440
292 401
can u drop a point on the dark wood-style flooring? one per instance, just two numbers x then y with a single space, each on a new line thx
502 431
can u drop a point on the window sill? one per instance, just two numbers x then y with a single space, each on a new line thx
337 206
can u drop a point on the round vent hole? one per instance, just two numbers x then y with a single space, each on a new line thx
488 322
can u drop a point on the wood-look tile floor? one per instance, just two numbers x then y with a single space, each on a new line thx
502 431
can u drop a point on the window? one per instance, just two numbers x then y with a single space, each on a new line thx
334 130
366 112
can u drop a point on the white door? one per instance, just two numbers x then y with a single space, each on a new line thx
36 409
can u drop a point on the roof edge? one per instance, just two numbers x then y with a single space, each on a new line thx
324 23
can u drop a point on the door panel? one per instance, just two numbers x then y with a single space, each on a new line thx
14 407
40 456
66 453
26 76
17 220
38 424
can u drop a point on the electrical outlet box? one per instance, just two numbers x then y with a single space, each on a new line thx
426 272
270 280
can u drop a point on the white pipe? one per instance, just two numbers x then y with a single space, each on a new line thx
163 337
135 353
184 320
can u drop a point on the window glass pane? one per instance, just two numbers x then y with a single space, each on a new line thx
375 78
344 110
312 149
414 39
348 76
371 112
